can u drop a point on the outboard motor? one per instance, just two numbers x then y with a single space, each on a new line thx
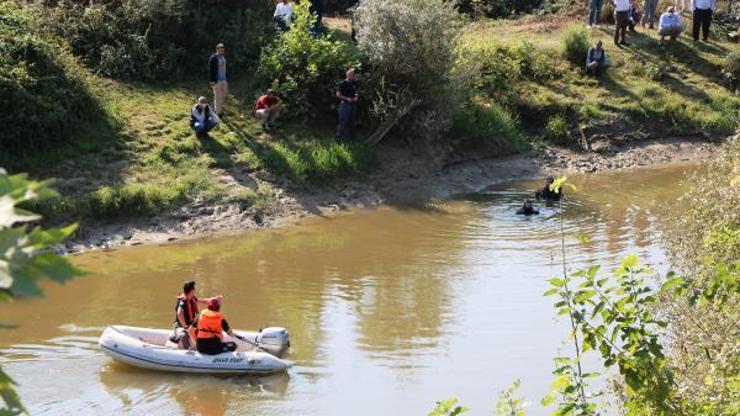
274 340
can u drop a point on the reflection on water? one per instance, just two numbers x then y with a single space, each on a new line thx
389 310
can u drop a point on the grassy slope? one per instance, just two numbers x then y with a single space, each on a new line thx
671 89
151 162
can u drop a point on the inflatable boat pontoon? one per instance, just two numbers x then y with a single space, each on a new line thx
152 349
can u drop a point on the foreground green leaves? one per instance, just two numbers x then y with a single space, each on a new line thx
25 257
449 407
614 316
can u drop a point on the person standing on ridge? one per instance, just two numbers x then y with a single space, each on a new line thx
621 18
594 13
349 93
703 10
650 8
217 78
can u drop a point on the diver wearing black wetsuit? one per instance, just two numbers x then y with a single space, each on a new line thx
545 194
527 209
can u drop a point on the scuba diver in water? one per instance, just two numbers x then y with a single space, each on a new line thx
547 195
527 209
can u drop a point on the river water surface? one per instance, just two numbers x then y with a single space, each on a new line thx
389 309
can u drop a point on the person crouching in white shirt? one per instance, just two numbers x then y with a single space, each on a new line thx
670 24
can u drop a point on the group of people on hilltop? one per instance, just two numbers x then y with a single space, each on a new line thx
628 16
266 109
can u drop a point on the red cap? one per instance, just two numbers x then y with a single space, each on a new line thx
214 303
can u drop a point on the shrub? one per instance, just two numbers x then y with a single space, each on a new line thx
703 239
413 44
304 68
495 8
556 130
731 70
490 124
44 95
505 67
161 39
575 44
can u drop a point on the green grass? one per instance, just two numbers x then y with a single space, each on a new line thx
660 88
154 163
140 157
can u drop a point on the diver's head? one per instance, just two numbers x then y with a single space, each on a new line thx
528 203
549 180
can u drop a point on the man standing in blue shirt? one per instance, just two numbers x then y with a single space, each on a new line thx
702 18
217 78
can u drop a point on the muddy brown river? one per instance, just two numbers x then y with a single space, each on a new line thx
389 309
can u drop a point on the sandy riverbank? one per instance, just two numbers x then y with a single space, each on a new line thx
403 175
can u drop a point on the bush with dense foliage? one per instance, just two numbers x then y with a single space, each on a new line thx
504 68
305 69
45 95
159 39
731 70
576 44
413 45
495 8
705 243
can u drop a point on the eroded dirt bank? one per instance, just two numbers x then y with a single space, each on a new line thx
402 175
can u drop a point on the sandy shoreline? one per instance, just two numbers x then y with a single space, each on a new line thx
403 175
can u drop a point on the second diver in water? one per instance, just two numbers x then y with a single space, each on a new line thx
527 209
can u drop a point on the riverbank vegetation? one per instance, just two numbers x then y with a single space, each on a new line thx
100 94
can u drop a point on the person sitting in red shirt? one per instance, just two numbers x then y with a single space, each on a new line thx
267 108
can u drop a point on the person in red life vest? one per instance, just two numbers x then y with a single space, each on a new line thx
267 108
186 309
211 326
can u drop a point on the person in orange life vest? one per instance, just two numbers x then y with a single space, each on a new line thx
186 309
211 326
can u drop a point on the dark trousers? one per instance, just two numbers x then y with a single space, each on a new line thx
622 19
281 24
594 13
702 18
213 346
347 116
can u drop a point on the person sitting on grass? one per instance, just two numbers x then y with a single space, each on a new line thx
670 24
267 109
596 59
283 15
202 118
